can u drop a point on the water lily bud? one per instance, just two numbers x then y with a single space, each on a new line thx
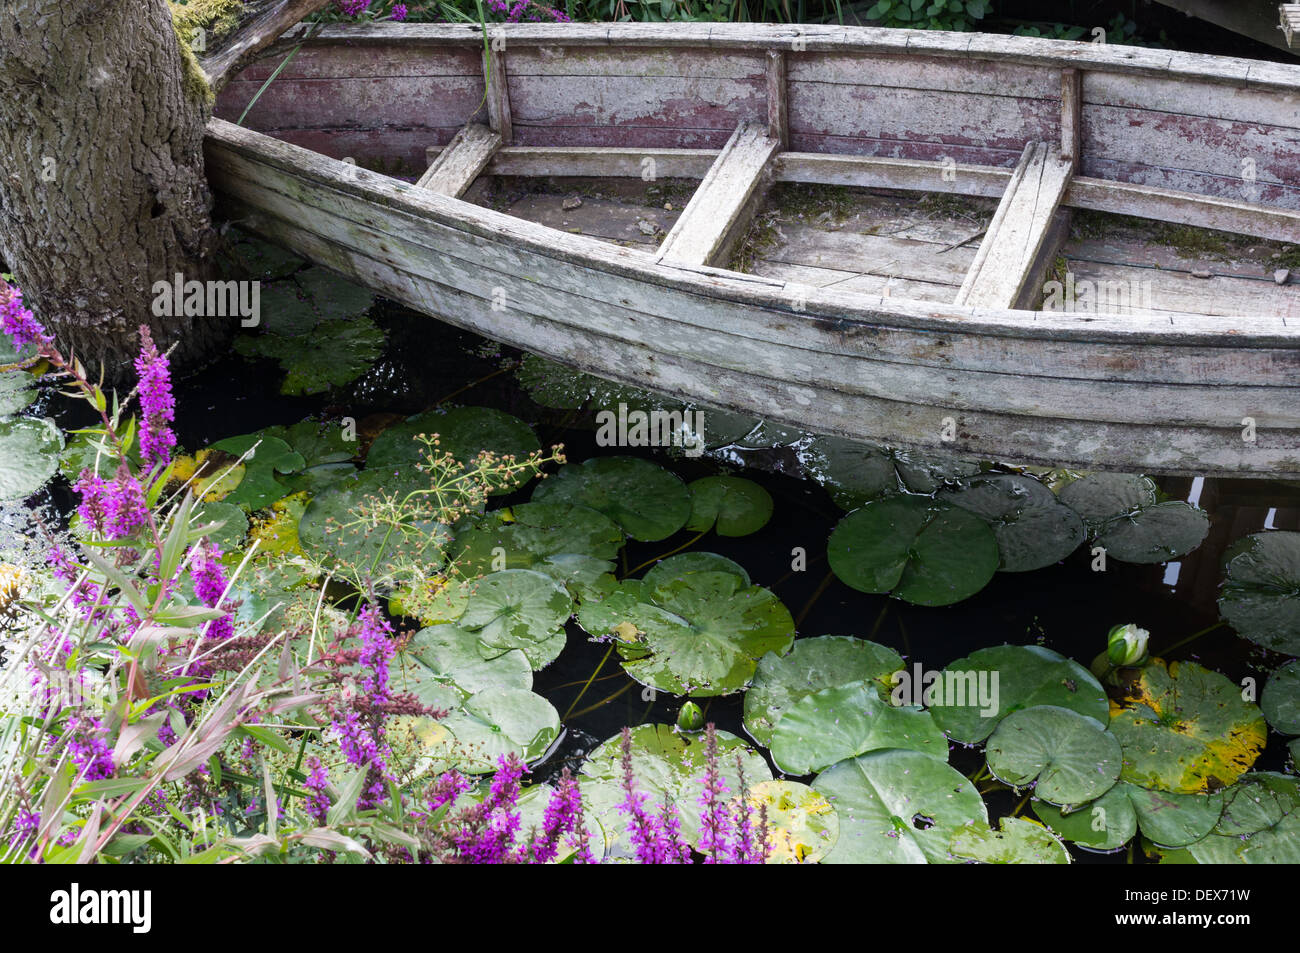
691 717
1127 644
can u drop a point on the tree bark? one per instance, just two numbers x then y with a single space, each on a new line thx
102 187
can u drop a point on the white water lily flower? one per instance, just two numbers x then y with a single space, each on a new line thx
1127 644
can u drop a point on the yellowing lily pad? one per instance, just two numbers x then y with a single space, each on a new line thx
1020 841
212 474
1186 729
802 825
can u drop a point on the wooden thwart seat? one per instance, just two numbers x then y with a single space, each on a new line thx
458 165
1290 13
1012 251
725 199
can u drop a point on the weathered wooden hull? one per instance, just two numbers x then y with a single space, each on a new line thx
1160 394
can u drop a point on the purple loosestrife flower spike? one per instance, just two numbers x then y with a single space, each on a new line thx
18 322
318 801
643 827
399 12
157 407
115 509
90 751
209 586
715 843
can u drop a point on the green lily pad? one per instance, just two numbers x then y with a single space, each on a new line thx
1261 591
1102 497
674 567
646 500
451 653
85 451
1019 841
1124 518
843 722
585 577
490 724
529 533
1186 729
1259 801
1156 534
332 295
666 763
463 432
732 505
1104 825
230 535
326 454
699 634
922 551
802 825
1027 676
17 390
269 456
1280 701
856 473
1033 528
815 664
898 807
29 455
1169 821
1071 758
332 532
518 609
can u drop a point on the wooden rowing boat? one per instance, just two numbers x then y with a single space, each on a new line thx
1203 378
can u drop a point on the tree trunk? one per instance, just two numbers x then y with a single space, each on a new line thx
102 187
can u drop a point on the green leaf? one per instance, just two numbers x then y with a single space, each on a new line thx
735 506
1019 676
1033 528
29 455
17 391
270 455
1186 729
922 551
835 724
463 432
1280 701
1261 590
802 824
646 500
519 609
1071 757
827 661
1019 841
898 807
529 533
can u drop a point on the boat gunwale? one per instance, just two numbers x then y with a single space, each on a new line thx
814 38
840 311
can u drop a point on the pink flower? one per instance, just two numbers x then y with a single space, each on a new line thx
156 403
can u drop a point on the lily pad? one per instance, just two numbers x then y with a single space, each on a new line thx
675 567
666 763
1106 824
234 526
802 824
1033 528
85 451
1071 758
17 390
898 807
646 500
699 634
732 505
490 724
212 475
1280 701
843 722
1261 591
518 609
265 261
276 528
463 432
1019 841
1124 518
1186 729
1102 497
1257 802
326 454
1019 677
527 534
827 661
267 456
29 455
855 473
333 531
451 653
922 551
